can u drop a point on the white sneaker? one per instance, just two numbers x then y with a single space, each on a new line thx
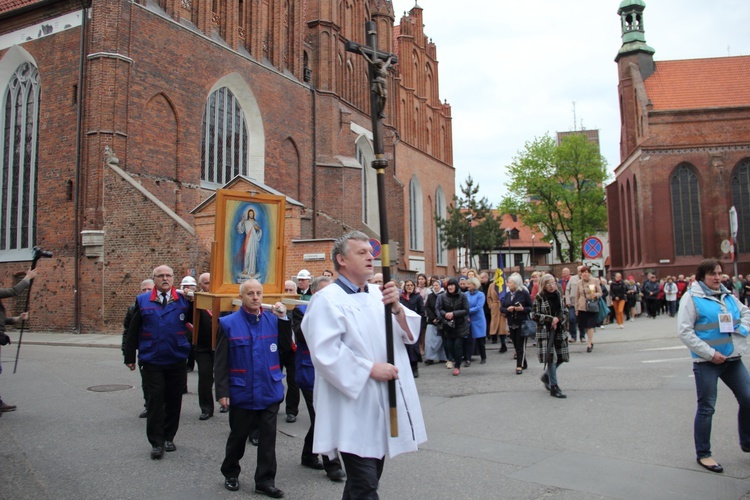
621 327
449 365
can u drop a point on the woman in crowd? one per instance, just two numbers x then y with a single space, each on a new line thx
477 322
670 295
714 326
422 289
516 306
551 333
453 309
411 299
618 291
433 345
631 295
496 317
588 289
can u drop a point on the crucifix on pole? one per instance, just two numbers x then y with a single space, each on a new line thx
378 63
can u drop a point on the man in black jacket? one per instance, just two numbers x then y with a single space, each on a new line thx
651 295
146 286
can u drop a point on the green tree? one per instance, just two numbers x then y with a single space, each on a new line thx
559 189
470 223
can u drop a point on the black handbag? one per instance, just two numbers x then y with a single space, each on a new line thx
528 328
4 339
592 305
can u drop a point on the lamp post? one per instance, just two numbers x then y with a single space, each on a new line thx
470 218
510 255
531 262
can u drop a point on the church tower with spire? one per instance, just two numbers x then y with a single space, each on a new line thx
635 61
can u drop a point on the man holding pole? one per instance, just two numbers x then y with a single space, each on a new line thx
348 348
12 320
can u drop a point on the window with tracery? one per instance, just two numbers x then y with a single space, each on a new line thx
20 125
686 211
224 144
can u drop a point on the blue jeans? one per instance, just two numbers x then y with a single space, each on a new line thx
552 368
735 376
572 323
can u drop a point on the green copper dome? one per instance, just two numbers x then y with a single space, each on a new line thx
632 3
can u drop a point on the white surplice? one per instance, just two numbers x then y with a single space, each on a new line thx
346 336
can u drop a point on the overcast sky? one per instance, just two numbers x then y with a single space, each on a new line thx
512 70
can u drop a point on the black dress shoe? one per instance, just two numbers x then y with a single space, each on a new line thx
291 418
336 476
143 414
169 446
269 490
503 348
157 452
555 392
232 483
223 409
6 407
712 468
545 381
313 463
205 416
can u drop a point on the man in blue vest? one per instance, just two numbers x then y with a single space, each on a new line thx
159 331
305 373
248 379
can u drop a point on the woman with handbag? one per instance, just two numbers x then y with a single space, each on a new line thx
433 345
516 306
411 299
551 338
453 309
587 304
477 322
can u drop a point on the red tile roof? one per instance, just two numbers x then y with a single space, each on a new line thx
9 5
700 83
524 232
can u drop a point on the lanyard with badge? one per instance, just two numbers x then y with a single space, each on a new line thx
726 325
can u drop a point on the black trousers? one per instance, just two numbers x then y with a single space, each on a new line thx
519 344
143 387
241 421
164 385
362 476
205 360
292 390
307 453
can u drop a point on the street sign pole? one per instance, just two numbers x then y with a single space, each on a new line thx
734 229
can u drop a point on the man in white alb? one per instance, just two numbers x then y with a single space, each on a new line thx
345 330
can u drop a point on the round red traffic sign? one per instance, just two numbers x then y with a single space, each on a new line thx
592 247
375 244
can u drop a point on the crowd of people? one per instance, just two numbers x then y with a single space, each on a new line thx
333 351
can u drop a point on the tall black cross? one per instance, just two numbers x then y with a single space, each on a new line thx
378 63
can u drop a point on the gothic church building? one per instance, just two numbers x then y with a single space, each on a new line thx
120 117
684 157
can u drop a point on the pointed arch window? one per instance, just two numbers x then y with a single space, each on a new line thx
20 125
416 216
441 211
224 144
686 211
741 202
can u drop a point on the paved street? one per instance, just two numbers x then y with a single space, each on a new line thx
625 430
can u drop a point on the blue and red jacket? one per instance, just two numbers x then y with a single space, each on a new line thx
164 335
304 370
254 369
